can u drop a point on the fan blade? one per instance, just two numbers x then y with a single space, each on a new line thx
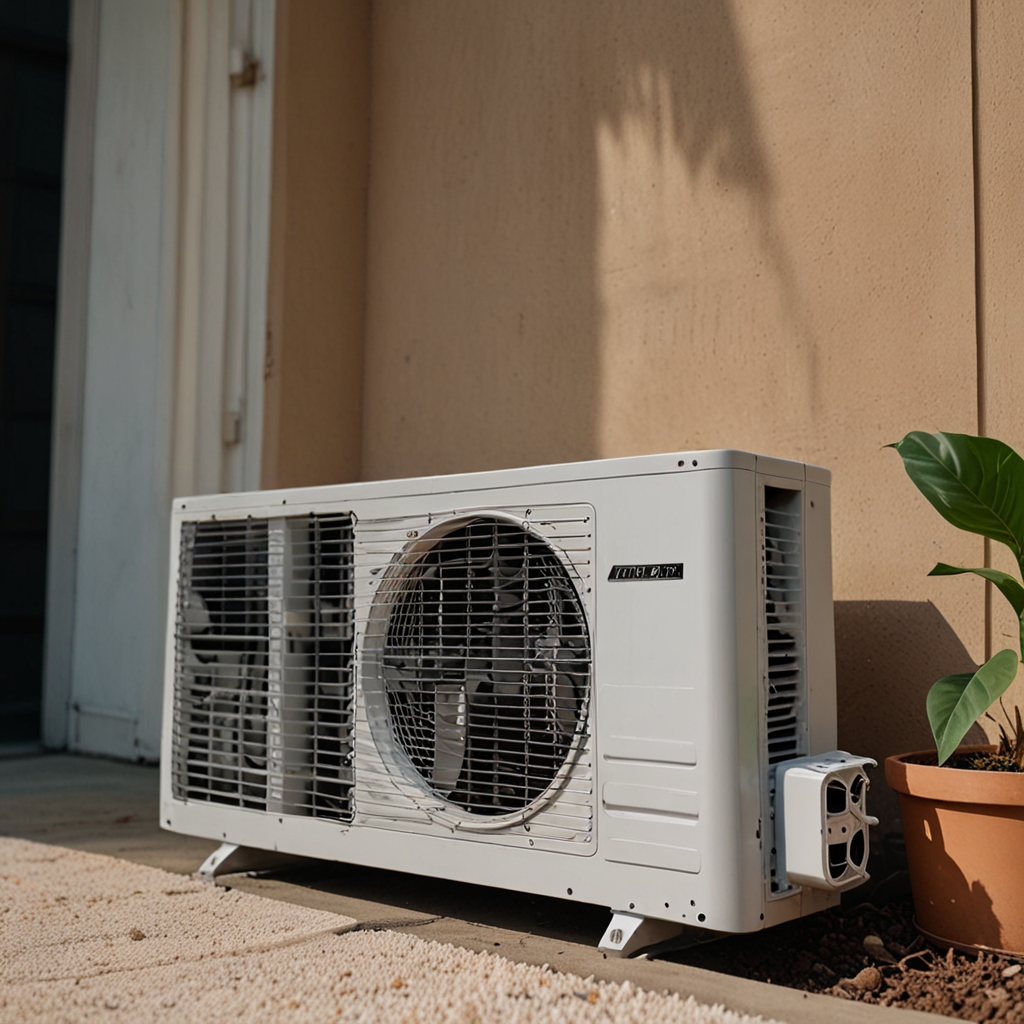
195 615
449 735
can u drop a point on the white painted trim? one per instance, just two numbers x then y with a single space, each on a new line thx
224 174
127 406
173 206
69 369
257 248
200 261
215 195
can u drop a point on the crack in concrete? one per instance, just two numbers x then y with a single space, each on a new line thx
389 924
266 947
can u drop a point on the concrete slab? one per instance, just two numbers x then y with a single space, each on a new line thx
92 804
87 936
536 941
109 807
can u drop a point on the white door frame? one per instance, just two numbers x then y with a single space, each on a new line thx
216 214
223 249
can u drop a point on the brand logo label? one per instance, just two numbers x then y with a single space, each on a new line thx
663 571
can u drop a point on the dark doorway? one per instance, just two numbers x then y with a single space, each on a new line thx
33 76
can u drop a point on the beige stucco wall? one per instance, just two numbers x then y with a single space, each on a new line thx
603 230
317 274
597 229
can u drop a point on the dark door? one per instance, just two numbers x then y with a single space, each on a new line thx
33 72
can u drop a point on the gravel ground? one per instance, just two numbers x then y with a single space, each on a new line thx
874 955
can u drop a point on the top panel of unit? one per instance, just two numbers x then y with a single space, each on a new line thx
490 480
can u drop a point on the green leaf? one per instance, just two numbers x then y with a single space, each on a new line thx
976 483
1008 585
955 703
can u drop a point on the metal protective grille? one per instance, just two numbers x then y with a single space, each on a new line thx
222 644
263 697
784 624
317 742
486 664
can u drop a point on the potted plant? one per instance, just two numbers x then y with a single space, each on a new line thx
963 807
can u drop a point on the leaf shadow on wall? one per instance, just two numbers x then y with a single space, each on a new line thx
888 654
684 64
486 314
681 73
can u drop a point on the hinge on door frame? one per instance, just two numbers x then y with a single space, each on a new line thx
248 74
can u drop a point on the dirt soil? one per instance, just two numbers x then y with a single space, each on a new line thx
828 953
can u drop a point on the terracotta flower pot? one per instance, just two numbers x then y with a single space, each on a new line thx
964 832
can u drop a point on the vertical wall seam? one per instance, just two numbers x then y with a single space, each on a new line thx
979 290
979 281
370 19
277 233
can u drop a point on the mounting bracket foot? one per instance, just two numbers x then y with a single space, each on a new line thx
627 934
228 859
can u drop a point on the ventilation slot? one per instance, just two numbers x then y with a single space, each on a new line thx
264 696
312 768
221 650
782 577
486 666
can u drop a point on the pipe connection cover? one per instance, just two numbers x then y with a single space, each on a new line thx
821 803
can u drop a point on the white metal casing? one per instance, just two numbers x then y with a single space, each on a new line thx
678 819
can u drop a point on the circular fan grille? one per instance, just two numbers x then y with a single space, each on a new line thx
486 662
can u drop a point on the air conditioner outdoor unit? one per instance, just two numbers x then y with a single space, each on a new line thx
610 682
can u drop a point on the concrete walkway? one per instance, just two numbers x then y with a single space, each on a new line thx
111 808
85 936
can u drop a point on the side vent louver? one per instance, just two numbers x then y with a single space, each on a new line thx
263 677
782 581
